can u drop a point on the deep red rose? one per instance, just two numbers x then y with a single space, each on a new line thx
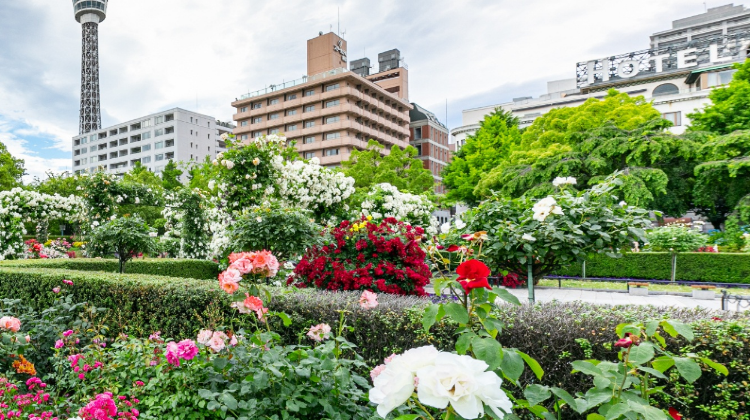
473 274
627 341
675 415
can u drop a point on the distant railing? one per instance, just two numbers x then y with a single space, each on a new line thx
297 82
740 303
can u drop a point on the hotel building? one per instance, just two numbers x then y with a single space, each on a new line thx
153 140
677 72
332 110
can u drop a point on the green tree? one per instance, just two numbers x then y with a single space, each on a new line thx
657 167
170 177
730 106
64 184
201 174
401 168
141 175
125 236
723 179
11 169
485 150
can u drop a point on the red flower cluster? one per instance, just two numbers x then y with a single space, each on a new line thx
384 258
512 280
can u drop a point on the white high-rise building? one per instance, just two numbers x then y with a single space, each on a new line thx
177 134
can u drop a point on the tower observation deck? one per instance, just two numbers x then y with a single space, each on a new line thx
89 13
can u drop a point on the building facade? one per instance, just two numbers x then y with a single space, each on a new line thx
676 74
430 137
177 134
331 111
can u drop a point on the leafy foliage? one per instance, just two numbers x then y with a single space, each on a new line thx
729 109
127 237
170 177
168 267
675 238
11 169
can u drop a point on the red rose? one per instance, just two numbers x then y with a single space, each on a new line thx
675 415
627 341
473 274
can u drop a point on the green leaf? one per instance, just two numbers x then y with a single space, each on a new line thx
651 327
228 400
536 394
532 364
649 413
429 318
688 368
408 417
597 396
585 367
512 365
641 354
563 395
663 363
673 328
506 295
716 366
652 371
488 350
285 318
493 326
464 342
594 416
457 312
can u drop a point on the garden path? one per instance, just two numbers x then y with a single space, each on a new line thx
614 298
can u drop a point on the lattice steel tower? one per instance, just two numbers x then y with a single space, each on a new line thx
89 13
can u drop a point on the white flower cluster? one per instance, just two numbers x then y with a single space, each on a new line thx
564 181
385 200
545 207
311 186
458 224
19 206
440 379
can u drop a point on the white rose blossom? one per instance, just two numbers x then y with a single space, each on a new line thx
564 181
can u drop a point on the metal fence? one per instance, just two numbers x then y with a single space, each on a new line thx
734 302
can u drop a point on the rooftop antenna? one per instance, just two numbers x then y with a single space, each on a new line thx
338 21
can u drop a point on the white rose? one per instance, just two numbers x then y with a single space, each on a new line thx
445 227
229 164
464 383
395 384
527 237
224 136
256 161
623 204
215 162
211 184
460 224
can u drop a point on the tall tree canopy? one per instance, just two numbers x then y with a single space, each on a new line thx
170 176
730 106
11 169
400 168
140 174
498 134
64 184
723 180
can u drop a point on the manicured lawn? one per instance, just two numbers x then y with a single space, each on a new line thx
581 284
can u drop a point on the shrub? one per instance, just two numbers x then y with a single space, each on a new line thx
675 238
362 255
195 269
126 237
699 266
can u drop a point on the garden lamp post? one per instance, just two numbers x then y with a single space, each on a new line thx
62 230
530 282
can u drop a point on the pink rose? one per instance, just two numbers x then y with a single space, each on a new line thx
231 274
204 336
59 344
172 354
216 343
233 342
243 265
10 323
319 332
186 349
368 300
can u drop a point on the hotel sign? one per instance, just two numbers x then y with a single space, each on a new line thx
339 49
674 58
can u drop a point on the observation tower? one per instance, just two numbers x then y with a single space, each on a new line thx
89 13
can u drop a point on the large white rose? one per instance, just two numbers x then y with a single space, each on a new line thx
545 207
464 383
394 385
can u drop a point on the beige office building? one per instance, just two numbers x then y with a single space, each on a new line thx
332 110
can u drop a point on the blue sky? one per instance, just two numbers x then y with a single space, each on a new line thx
201 54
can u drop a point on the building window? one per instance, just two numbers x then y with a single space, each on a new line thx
146 123
308 140
159 145
257 105
309 124
93 159
720 78
291 96
674 117
309 108
666 89
419 149
160 132
243 137
332 152
159 157
332 87
257 120
146 147
273 101
93 148
331 136
243 124
309 155
243 109
146 159
310 92
273 131
331 120
292 127
257 134
332 103
160 119
291 112
146 135
418 133
273 116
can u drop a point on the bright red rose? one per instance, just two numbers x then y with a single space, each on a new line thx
473 274
675 415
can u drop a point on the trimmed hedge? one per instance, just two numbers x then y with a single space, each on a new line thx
555 334
691 266
195 269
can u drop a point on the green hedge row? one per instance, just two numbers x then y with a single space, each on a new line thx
555 334
696 266
194 269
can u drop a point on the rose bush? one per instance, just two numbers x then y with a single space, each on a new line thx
383 257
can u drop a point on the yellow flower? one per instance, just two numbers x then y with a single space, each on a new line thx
369 218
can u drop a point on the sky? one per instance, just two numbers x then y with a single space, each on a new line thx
202 54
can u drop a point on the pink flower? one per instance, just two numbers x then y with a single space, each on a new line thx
102 407
243 265
231 274
59 344
233 342
10 323
186 349
368 300
28 339
216 343
319 332
139 383
68 282
56 289
172 354
204 336
377 371
68 333
155 336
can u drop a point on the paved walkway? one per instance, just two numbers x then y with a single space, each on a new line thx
614 298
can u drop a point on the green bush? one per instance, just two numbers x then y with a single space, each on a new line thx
195 269
698 266
555 334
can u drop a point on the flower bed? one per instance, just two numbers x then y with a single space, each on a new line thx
698 266
197 269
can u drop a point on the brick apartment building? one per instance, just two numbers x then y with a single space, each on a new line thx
430 137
